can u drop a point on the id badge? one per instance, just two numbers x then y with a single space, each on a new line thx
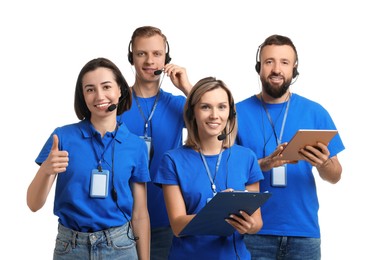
147 140
279 176
99 183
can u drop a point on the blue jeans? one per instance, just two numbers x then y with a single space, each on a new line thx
110 244
265 247
161 241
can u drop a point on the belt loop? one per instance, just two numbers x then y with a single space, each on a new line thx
73 239
108 237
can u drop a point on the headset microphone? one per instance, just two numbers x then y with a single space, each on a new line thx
221 137
112 107
232 115
158 72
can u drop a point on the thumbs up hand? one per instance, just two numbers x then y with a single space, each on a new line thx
57 160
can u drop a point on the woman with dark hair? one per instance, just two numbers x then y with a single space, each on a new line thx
101 171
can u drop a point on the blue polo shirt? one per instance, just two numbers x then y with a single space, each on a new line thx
165 129
291 210
122 153
184 167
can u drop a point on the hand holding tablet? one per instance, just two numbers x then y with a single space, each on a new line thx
305 137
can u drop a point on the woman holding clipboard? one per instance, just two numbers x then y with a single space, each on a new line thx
208 163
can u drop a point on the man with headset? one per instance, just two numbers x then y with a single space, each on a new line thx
157 117
267 121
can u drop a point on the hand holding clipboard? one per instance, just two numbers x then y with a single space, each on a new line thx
211 219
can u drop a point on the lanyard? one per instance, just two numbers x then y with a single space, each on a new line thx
213 186
99 159
278 140
147 121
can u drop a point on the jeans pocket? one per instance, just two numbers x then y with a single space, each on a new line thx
123 242
62 247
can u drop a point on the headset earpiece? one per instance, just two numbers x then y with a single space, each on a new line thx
130 54
258 67
167 56
125 92
295 72
258 63
232 113
189 111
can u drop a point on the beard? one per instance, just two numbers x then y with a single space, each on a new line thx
273 91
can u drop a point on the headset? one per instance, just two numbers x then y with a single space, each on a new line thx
257 67
130 53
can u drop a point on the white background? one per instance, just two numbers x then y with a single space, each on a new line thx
44 44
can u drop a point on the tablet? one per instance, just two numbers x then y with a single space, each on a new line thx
211 219
305 137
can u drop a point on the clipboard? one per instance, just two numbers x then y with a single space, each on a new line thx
211 219
305 137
